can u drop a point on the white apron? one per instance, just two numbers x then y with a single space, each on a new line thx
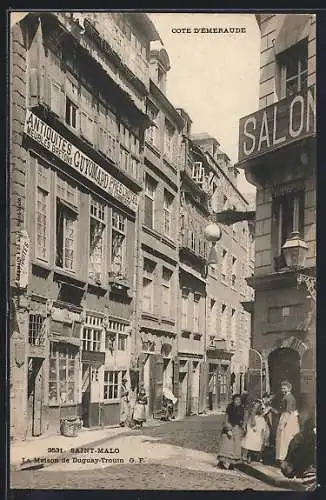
287 428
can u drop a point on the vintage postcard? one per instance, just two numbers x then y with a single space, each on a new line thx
162 250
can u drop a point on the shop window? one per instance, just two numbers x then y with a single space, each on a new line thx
288 215
97 241
42 212
63 374
92 334
112 381
166 292
150 191
294 69
36 329
167 212
118 244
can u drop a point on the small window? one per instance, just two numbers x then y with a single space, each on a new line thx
71 113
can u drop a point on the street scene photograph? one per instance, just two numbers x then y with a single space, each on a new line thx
162 251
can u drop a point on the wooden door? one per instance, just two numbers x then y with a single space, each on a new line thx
156 383
35 395
202 386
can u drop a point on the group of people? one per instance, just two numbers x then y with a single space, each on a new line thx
132 415
251 433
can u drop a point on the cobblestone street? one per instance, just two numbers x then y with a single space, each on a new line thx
176 455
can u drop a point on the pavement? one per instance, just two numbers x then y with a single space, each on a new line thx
187 446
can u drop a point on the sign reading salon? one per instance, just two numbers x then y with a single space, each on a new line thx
278 125
47 137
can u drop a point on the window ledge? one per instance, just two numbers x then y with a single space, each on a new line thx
151 231
169 241
44 266
169 163
111 402
153 148
168 321
63 405
70 277
151 316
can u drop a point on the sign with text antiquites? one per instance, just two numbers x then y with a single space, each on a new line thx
278 125
72 156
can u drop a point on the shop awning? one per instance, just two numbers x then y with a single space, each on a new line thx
294 29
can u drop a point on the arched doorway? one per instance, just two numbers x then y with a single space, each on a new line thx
284 364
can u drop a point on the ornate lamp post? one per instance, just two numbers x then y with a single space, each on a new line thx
213 233
294 250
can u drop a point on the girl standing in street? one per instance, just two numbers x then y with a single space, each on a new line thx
288 425
139 416
232 432
253 442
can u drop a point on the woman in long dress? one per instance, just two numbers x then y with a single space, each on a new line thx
253 442
124 404
229 452
139 416
288 425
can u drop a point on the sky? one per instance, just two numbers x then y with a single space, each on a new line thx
214 76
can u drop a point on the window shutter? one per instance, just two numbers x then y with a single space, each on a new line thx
56 99
156 382
202 386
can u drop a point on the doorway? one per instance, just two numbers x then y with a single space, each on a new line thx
195 388
35 395
223 389
183 390
86 394
284 364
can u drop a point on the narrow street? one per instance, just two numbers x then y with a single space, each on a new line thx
176 455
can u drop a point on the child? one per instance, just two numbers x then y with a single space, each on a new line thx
253 442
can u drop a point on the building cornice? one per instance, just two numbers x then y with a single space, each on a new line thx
277 280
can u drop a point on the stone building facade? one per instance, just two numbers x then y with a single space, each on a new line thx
78 123
110 196
277 149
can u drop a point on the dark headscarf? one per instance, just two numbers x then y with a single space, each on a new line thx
235 413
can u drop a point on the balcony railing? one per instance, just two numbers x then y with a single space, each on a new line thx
194 244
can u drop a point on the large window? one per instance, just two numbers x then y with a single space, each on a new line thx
36 329
119 242
111 385
87 125
116 338
63 374
150 189
212 317
166 292
223 321
167 213
42 212
198 172
294 69
288 211
233 325
234 271
148 286
97 240
92 334
66 224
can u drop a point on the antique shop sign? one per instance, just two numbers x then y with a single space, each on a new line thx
278 125
72 156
